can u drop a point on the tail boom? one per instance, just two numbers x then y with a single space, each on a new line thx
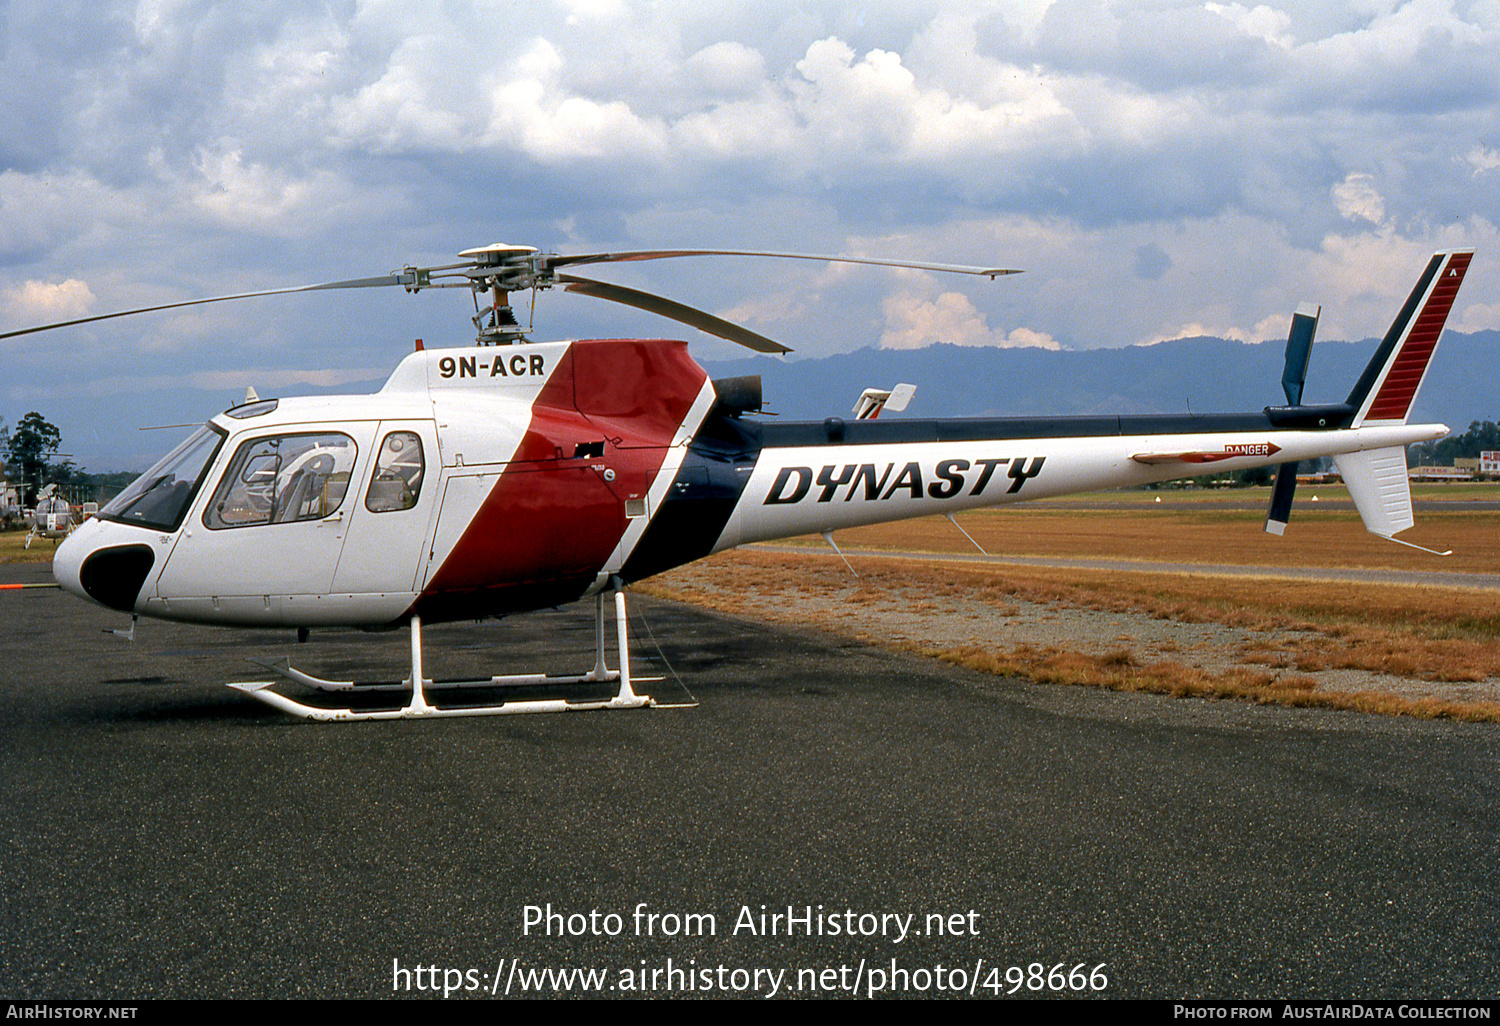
810 489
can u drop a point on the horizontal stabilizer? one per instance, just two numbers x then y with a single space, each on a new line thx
874 400
900 397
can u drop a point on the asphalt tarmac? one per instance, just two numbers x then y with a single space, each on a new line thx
164 836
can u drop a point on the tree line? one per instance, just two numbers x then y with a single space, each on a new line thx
1482 436
29 459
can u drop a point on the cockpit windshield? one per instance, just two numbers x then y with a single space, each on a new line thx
160 497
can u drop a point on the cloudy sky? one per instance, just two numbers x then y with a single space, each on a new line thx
1159 168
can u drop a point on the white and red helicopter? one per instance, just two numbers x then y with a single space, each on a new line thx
521 475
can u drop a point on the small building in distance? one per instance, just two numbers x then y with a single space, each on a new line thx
1440 474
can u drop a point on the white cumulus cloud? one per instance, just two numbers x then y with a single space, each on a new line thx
912 322
1358 199
39 302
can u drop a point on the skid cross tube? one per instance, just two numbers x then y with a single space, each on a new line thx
600 672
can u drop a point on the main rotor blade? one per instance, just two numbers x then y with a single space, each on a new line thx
673 309
660 254
352 283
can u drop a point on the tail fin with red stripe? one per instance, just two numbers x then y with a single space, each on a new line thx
1388 386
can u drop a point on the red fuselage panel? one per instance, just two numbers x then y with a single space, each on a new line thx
556 513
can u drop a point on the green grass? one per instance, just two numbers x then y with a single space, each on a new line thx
13 548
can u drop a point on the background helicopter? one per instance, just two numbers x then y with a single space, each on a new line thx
522 475
53 517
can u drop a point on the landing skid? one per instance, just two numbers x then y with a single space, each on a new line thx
517 680
418 707
600 673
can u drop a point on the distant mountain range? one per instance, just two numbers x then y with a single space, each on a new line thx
1204 375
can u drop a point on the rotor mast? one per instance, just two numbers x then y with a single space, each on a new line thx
499 269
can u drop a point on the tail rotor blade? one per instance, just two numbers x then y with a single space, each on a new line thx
1299 351
1281 498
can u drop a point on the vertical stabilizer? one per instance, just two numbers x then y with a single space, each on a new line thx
1389 385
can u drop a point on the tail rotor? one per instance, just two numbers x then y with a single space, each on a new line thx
1298 354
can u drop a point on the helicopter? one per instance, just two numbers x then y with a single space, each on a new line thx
519 475
52 518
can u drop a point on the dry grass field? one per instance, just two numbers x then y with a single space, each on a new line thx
1212 527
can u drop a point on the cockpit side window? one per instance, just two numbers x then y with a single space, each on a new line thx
281 480
160 497
399 469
